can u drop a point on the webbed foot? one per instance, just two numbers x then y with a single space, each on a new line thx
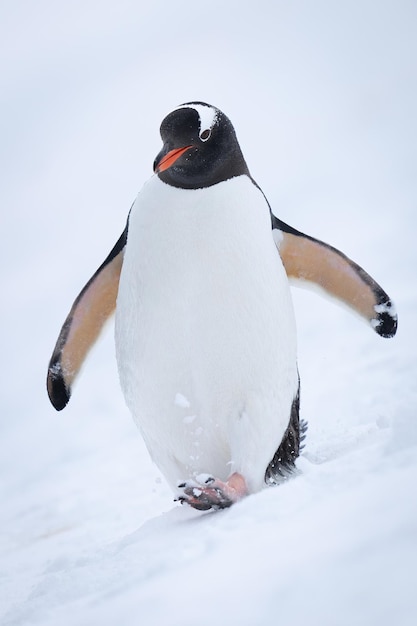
207 492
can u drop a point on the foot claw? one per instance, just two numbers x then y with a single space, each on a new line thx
209 493
205 479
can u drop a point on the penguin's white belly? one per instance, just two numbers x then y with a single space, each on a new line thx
205 332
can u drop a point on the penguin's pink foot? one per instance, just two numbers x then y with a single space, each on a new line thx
210 493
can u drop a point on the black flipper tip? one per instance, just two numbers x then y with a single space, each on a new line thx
386 321
58 393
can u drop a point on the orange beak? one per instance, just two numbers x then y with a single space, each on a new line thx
170 158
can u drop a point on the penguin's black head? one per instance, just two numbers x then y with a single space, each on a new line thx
200 148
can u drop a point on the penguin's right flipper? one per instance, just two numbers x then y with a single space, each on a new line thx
91 309
314 262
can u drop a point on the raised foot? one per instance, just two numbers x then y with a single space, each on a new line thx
207 492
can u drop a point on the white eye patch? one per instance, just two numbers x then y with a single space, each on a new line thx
207 116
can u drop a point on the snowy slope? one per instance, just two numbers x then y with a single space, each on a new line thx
323 100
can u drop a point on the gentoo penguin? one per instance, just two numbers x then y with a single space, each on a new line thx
205 330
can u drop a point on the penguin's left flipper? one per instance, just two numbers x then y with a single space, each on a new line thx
309 260
91 309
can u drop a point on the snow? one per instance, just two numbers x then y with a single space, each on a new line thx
323 101
181 401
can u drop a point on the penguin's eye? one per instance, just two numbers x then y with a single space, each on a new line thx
205 134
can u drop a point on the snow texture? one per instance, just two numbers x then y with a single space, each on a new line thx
323 99
181 401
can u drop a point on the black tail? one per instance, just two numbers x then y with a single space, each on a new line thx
283 463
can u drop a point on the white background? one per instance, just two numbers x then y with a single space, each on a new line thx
323 98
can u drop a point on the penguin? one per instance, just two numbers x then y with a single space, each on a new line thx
205 329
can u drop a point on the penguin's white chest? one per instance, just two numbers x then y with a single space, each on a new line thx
205 333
